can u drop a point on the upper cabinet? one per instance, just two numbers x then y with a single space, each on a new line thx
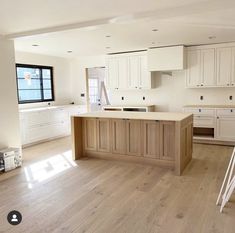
211 66
166 58
128 71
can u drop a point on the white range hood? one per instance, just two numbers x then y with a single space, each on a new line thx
166 58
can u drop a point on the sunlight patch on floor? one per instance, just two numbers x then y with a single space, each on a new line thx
45 169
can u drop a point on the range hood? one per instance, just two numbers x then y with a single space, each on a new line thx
166 58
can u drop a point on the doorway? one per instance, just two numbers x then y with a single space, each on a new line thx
96 90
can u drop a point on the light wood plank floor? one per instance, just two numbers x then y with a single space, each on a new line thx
54 194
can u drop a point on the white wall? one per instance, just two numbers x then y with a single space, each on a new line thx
78 74
9 116
170 94
62 76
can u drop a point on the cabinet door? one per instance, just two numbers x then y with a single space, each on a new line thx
223 66
90 139
122 72
151 139
233 68
145 75
225 128
208 67
134 72
193 68
112 73
119 136
167 140
133 137
103 135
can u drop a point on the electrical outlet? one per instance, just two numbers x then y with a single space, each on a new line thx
82 94
122 97
230 97
143 97
201 97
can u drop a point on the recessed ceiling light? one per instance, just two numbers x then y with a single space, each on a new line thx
153 42
35 45
107 47
108 36
211 37
69 51
155 30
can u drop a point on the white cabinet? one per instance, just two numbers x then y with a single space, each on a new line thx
201 68
112 73
208 67
127 71
39 125
223 66
193 68
225 128
134 72
232 82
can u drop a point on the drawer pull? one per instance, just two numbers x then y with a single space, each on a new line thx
231 110
200 110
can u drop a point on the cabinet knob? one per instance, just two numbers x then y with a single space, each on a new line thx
199 110
217 117
227 84
231 110
201 84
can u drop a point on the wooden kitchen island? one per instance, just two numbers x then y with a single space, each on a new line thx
161 138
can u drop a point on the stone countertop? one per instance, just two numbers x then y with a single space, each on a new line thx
161 116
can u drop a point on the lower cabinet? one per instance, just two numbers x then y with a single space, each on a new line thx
119 136
225 127
103 135
90 134
151 136
152 139
133 132
167 140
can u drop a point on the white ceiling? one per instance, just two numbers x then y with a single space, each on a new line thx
82 25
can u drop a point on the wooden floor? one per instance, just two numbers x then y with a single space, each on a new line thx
54 194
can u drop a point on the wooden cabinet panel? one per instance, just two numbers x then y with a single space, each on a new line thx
133 137
151 131
90 139
167 140
208 67
103 135
193 68
224 66
119 136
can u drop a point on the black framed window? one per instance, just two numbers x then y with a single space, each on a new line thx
34 83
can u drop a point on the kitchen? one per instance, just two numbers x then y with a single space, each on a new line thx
125 123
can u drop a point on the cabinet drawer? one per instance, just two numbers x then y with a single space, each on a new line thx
200 111
226 112
203 121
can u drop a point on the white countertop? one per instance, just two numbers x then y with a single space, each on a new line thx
43 108
209 106
161 116
127 106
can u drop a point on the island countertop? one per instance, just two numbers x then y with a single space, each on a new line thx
160 116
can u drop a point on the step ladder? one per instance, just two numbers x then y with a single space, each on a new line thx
228 185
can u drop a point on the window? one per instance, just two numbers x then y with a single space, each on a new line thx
93 90
34 83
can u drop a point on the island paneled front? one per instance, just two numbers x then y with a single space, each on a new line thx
161 138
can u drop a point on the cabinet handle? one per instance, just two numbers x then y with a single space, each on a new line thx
201 84
227 84
217 117
198 85
231 110
199 110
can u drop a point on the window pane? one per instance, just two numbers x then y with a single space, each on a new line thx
46 84
29 84
28 73
27 95
47 94
46 73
